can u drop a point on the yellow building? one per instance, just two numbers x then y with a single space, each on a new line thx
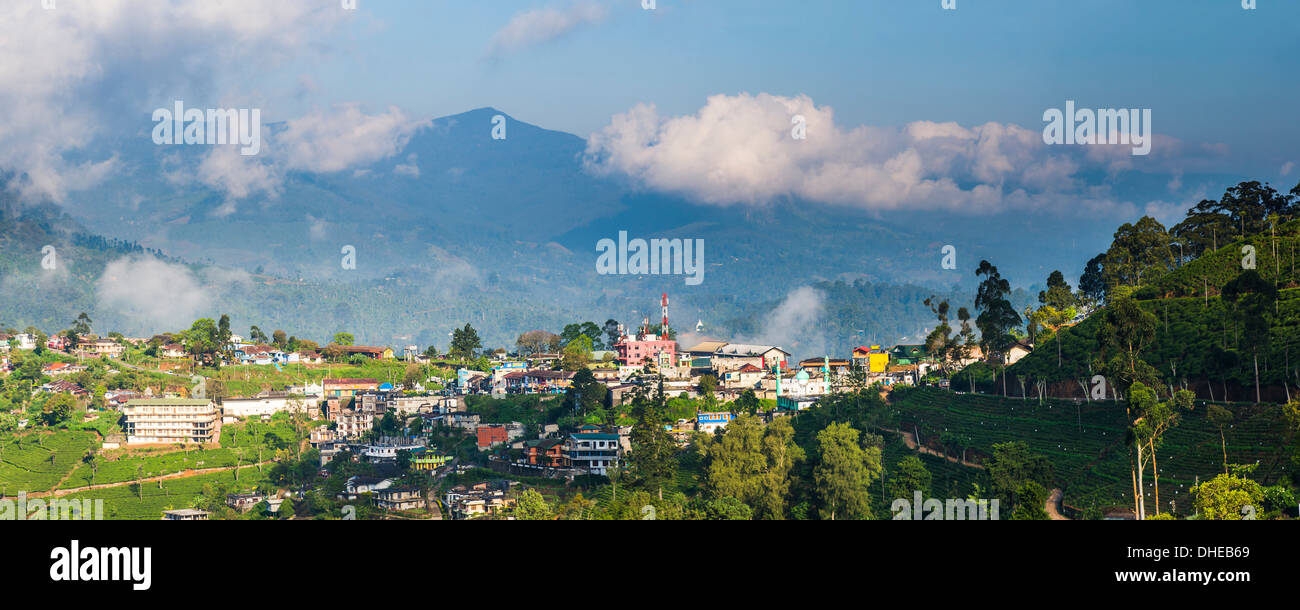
429 461
874 359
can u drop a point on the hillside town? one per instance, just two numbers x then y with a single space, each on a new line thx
417 429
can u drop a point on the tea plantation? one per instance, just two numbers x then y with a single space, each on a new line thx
1085 442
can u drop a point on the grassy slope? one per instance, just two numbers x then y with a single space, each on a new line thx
1277 258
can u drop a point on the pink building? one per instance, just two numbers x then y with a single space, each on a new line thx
646 346
635 352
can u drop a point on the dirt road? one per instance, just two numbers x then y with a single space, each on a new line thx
184 474
1054 506
910 440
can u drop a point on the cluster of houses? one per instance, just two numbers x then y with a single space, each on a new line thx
267 355
23 341
241 502
250 354
85 347
479 500
239 351
354 405
737 368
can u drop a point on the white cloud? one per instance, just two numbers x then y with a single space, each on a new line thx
149 292
94 66
451 272
317 228
343 138
150 295
320 142
1169 213
1287 167
1055 173
239 176
739 149
1176 183
410 169
793 324
543 25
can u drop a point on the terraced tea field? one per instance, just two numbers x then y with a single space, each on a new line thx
1085 442
947 479
42 460
38 460
132 502
127 468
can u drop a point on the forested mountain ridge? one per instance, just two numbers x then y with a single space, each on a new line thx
413 305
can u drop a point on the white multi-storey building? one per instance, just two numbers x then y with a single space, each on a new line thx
171 420
595 452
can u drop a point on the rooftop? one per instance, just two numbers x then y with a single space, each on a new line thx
743 349
595 436
159 402
707 347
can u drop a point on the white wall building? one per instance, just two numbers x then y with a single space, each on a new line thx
258 407
170 420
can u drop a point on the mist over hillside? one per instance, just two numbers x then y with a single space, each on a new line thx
456 227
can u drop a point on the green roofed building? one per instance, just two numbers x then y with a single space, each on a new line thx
908 354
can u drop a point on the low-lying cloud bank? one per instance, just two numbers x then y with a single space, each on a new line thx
150 294
753 149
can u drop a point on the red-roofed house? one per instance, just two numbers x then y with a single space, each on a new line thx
61 368
346 388
378 353
743 377
64 386
491 436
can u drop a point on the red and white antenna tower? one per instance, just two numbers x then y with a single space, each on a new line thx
664 302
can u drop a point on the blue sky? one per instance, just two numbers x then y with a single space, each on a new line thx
935 112
910 105
1210 71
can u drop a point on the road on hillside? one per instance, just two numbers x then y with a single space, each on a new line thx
1054 506
910 440
184 474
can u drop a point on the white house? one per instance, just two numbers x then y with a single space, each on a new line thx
313 390
594 452
1018 351
387 451
360 485
258 407
733 356
708 423
744 377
